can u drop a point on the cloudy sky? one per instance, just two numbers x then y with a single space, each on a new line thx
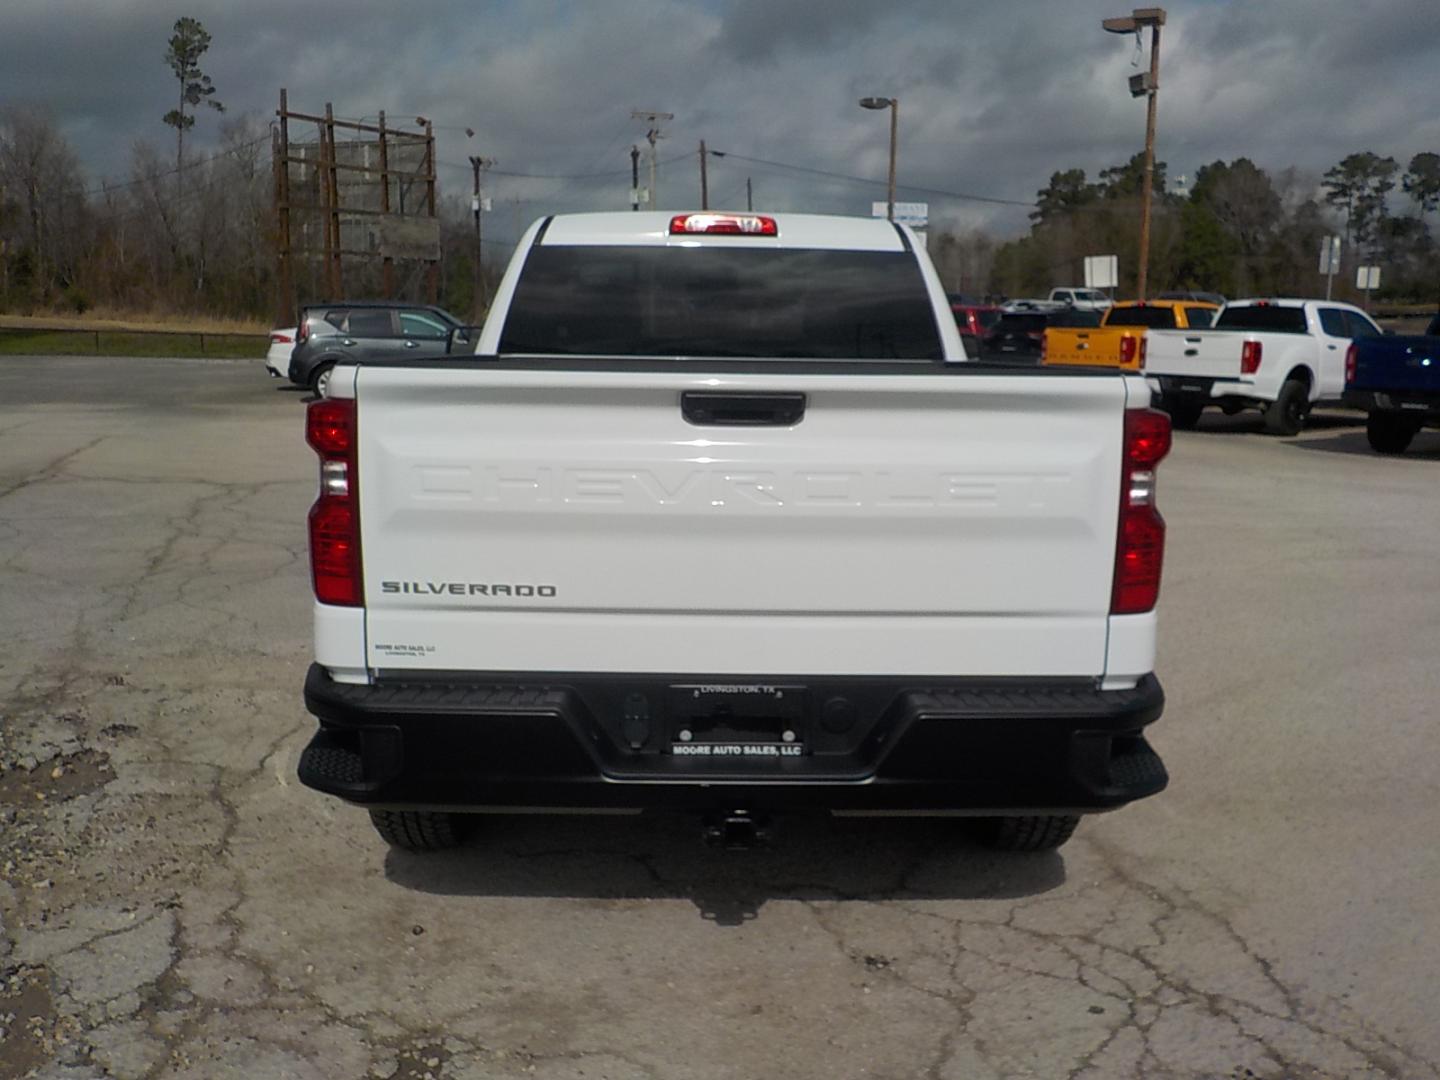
994 95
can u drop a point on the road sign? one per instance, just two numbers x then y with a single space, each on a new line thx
1367 277
914 214
1330 255
1102 272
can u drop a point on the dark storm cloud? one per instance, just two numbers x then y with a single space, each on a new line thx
994 96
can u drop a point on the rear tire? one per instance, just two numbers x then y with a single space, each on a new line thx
1390 433
1184 415
418 830
320 380
1039 832
1286 414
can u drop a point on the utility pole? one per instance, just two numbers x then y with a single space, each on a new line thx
285 276
634 178
652 136
704 180
1144 85
432 271
478 303
387 263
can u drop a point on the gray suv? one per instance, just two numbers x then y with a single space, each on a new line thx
330 334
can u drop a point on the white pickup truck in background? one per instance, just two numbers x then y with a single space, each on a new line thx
1280 356
718 518
1080 299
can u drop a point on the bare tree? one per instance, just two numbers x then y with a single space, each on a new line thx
41 175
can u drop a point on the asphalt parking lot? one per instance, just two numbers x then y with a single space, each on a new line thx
175 905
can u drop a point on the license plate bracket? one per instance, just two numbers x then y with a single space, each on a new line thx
751 721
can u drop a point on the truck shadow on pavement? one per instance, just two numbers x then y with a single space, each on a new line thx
1251 422
660 856
1426 446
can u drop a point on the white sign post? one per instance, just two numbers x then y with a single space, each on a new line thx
1102 272
1329 261
1367 278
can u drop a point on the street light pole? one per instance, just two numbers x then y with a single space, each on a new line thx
1148 85
893 104
477 303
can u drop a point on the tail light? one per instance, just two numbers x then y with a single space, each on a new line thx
1045 347
1144 348
1250 358
1127 351
335 518
280 339
302 332
1350 363
1140 539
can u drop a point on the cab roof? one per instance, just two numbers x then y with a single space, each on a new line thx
1172 304
653 229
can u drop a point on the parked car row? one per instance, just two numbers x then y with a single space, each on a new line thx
1281 356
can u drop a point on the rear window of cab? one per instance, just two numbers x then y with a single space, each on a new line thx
597 300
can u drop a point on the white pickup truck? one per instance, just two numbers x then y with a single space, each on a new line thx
1281 356
717 517
1080 299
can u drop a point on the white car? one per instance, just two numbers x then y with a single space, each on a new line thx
277 360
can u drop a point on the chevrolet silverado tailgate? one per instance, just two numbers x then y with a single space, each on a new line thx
570 516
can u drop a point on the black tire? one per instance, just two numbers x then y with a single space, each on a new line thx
1032 833
320 378
1390 433
1286 414
1184 413
418 830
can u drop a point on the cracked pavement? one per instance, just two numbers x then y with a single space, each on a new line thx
175 905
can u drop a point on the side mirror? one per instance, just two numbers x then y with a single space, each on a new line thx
460 340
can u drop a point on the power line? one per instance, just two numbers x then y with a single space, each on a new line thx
106 188
610 174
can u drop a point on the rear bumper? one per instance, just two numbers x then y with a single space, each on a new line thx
589 741
1423 405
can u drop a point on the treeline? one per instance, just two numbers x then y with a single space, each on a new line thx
1237 230
196 234
197 238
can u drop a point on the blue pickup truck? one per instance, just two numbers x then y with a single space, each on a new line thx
1397 381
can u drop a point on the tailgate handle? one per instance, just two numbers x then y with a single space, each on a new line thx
1192 352
1195 340
716 408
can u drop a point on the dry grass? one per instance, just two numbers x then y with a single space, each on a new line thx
111 319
